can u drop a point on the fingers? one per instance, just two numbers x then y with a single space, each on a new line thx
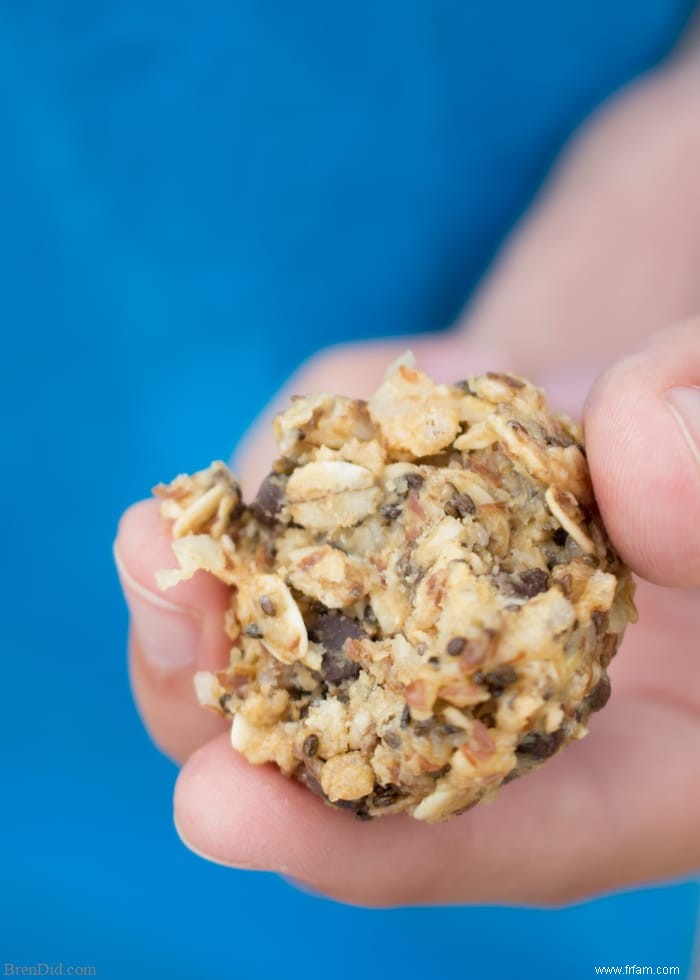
642 423
173 634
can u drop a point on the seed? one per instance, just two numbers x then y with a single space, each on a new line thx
414 481
385 795
267 605
456 645
465 504
460 505
540 745
253 631
310 746
405 568
600 694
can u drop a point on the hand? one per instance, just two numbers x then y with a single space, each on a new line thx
621 806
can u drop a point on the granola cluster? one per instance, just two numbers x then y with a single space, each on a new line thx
424 600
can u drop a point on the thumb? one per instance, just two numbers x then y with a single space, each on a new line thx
642 423
172 634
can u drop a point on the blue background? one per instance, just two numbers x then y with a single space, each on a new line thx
194 197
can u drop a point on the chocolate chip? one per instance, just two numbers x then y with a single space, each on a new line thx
269 498
310 746
530 582
540 745
331 629
267 605
600 694
391 511
405 716
336 667
253 631
559 537
392 739
456 645
503 675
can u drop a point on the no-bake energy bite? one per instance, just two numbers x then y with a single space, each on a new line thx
424 601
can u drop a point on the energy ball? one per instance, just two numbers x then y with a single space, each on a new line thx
424 600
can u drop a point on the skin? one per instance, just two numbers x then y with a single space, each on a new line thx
583 289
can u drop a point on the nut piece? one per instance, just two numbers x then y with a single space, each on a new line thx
423 599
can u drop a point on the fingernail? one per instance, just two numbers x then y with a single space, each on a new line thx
168 635
685 408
